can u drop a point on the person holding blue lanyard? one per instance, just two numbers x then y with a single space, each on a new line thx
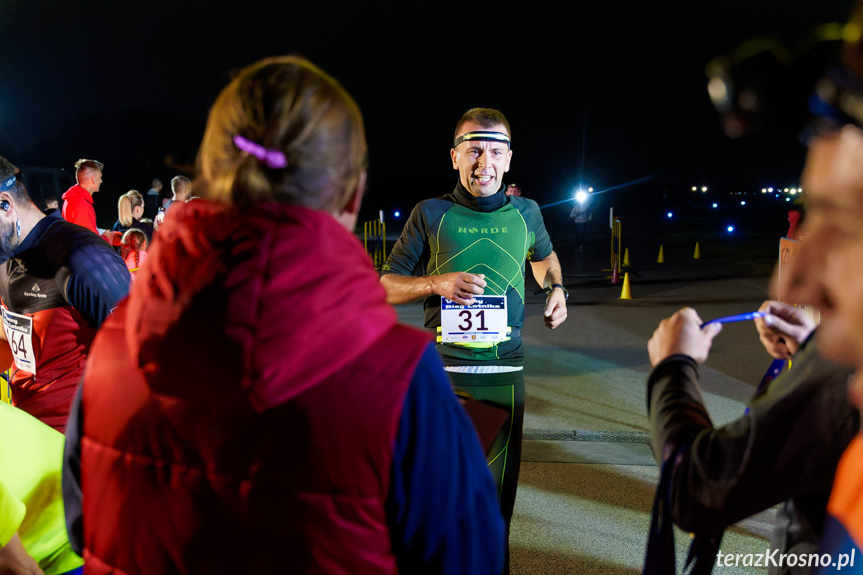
473 244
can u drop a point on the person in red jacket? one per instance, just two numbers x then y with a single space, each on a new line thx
78 200
254 406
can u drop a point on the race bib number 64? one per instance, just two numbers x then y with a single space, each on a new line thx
19 333
484 321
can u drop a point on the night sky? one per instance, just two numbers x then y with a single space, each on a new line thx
598 92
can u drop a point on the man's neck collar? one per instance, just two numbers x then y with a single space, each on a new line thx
483 204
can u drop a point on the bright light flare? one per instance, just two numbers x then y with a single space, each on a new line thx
580 196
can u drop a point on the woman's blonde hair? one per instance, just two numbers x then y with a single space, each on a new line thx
286 105
127 202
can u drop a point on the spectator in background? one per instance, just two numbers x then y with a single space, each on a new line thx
78 200
794 217
348 455
153 194
181 189
513 190
130 208
133 249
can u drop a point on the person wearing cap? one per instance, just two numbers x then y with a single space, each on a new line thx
58 283
473 244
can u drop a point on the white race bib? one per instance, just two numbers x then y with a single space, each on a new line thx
483 322
19 333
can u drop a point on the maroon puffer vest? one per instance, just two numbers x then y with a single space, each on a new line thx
199 482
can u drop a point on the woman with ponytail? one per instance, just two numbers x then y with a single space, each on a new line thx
130 208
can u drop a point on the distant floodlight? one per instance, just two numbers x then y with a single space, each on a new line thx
580 196
770 190
715 205
590 189
397 214
704 188
743 203
694 189
669 214
730 229
763 190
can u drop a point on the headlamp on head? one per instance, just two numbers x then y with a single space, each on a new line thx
482 136
7 183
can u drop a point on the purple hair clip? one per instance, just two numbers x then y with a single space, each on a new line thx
273 158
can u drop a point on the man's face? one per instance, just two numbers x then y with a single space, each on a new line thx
97 180
7 247
827 270
481 165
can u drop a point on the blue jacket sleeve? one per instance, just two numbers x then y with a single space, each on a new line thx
443 509
73 497
99 279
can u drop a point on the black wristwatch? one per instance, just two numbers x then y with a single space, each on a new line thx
565 292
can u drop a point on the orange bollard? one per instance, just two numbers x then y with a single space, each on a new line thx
615 275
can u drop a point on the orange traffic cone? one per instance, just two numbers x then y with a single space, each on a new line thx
625 293
661 258
615 274
697 254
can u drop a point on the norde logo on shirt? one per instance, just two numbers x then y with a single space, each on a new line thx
495 230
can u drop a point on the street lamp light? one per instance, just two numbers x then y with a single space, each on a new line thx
580 196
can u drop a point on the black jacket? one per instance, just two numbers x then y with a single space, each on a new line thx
784 450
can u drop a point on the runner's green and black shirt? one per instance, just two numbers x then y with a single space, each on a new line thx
494 236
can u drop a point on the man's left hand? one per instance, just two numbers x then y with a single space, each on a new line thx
555 309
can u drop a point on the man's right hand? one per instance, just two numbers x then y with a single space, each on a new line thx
682 334
783 329
460 287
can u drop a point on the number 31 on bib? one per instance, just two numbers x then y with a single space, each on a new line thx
484 321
